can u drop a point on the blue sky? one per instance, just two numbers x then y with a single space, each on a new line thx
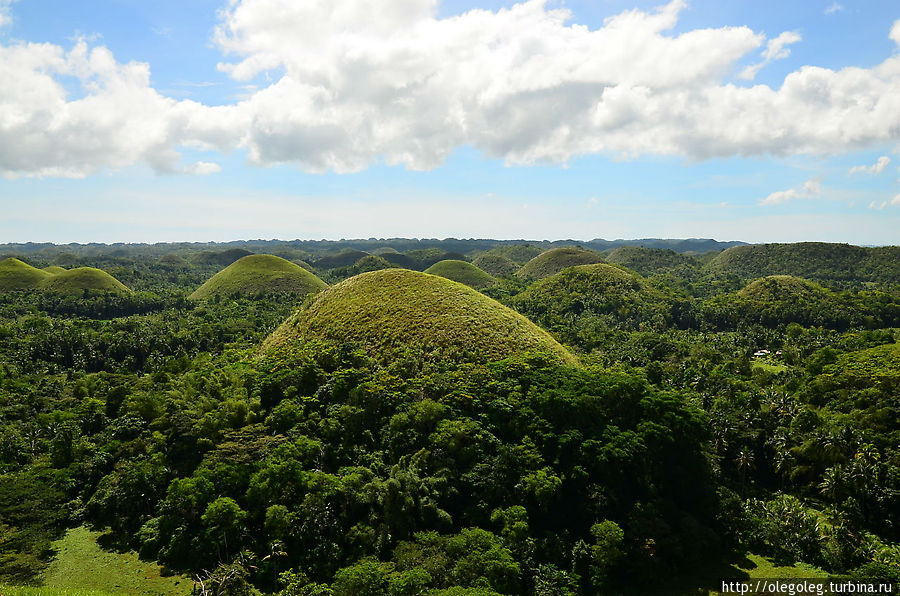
192 121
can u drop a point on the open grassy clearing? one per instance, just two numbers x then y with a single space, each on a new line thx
82 566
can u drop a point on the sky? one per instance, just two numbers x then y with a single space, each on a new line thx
763 121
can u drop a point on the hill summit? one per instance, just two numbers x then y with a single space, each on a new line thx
555 260
260 273
393 311
76 281
18 275
463 272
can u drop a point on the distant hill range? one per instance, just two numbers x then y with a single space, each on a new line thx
689 260
236 249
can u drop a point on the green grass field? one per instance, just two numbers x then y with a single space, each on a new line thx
82 568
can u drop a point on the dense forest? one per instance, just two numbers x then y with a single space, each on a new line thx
521 418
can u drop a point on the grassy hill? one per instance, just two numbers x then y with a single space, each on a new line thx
650 261
555 260
811 260
345 258
76 281
396 310
618 297
517 253
783 299
223 258
173 261
260 273
497 265
17 275
462 272
423 258
54 269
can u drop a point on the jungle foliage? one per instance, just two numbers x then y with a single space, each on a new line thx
400 433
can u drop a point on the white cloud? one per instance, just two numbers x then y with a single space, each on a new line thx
807 190
833 8
776 49
352 85
119 121
895 32
203 168
883 204
875 169
5 18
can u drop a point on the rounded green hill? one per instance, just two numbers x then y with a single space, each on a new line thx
497 265
391 311
555 260
517 253
820 261
54 269
784 287
18 275
648 261
780 300
345 258
76 281
173 261
462 272
254 274
622 297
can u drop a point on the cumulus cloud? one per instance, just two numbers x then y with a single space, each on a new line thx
875 169
807 190
351 85
833 8
120 120
776 49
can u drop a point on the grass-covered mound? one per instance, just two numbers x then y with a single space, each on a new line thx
598 293
497 265
394 311
784 287
345 258
364 265
173 261
517 253
650 261
76 281
18 275
463 272
780 300
555 260
811 260
54 269
398 259
223 258
256 274
423 258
